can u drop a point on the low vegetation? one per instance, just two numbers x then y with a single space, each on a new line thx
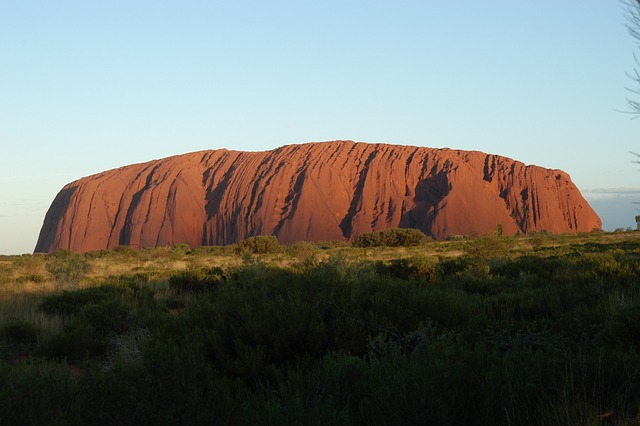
494 330
395 237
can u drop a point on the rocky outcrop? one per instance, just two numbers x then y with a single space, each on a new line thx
316 191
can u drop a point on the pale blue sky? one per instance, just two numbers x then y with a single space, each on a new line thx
86 86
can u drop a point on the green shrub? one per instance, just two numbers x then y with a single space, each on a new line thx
197 281
623 330
543 267
413 267
489 246
260 244
97 254
394 237
107 317
89 333
119 288
71 302
460 266
67 268
181 249
305 252
132 281
38 393
76 342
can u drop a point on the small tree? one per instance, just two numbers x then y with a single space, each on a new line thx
67 268
489 246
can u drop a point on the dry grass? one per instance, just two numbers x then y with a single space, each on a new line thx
22 307
24 280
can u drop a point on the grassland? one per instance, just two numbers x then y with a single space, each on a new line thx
494 330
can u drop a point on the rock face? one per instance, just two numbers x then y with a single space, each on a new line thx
316 191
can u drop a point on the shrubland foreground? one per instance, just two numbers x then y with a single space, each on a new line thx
496 330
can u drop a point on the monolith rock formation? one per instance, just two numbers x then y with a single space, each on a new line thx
315 191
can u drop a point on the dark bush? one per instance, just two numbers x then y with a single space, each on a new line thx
97 254
413 267
395 237
107 317
623 330
71 302
543 267
174 303
119 288
38 393
459 265
18 332
260 244
87 335
76 342
197 281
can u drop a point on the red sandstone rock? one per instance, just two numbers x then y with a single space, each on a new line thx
316 191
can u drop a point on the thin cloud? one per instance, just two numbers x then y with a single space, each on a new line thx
612 191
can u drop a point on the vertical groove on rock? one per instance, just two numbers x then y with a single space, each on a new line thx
347 223
126 232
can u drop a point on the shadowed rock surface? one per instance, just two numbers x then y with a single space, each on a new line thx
315 191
